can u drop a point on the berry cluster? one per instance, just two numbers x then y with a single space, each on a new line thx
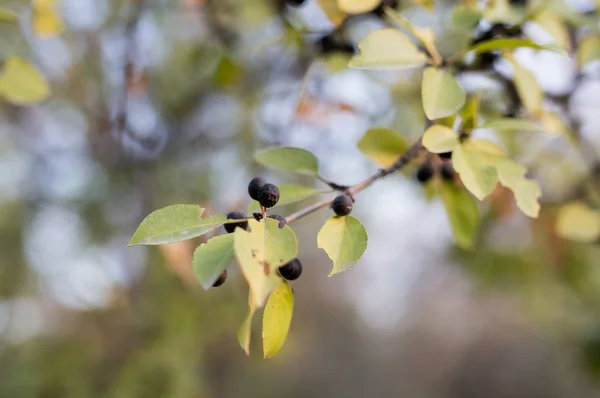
428 169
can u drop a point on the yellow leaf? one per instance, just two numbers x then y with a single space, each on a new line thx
475 171
21 83
245 330
526 191
578 222
277 318
440 139
358 6
556 27
46 20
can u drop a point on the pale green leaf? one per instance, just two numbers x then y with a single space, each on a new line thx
358 6
173 224
289 159
511 124
441 94
462 213
383 145
576 221
425 36
288 194
261 251
7 15
588 50
476 173
528 88
387 49
277 318
511 44
556 27
344 239
21 83
245 331
211 258
440 139
470 113
465 16
526 191
501 11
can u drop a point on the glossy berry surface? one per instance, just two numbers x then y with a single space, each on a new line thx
235 215
425 172
254 186
282 220
447 172
292 270
222 278
342 205
268 195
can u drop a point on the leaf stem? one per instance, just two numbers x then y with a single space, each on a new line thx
402 161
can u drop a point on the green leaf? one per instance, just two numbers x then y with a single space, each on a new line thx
510 124
288 194
588 50
173 224
526 191
511 44
358 6
21 83
277 318
387 49
344 239
7 15
383 145
289 159
211 258
470 113
261 251
245 330
441 94
462 213
465 16
475 172
440 139
576 221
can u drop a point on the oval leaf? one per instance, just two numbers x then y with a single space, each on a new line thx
344 239
578 222
527 192
46 20
478 176
288 194
289 159
383 145
510 124
511 44
173 224
441 94
261 251
7 15
440 139
588 50
462 213
211 258
245 331
528 88
277 318
387 49
21 83
358 6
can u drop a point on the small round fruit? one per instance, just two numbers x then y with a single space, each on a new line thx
222 278
254 186
282 220
342 205
425 172
268 195
447 172
445 155
236 215
292 270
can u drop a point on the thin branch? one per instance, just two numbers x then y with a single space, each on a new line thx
402 161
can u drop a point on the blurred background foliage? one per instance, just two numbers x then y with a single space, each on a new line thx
157 102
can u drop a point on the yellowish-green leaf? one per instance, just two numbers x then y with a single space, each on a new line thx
511 44
288 194
462 213
289 159
528 88
485 147
383 145
277 318
261 251
46 20
526 191
358 6
173 224
470 113
387 49
556 27
588 50
465 16
478 176
245 331
425 36
211 258
332 11
21 83
440 139
510 124
576 221
553 124
7 15
442 95
344 239
501 11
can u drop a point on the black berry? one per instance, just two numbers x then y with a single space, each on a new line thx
292 270
447 171
235 215
425 172
445 155
282 220
222 278
294 3
268 195
254 186
342 205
